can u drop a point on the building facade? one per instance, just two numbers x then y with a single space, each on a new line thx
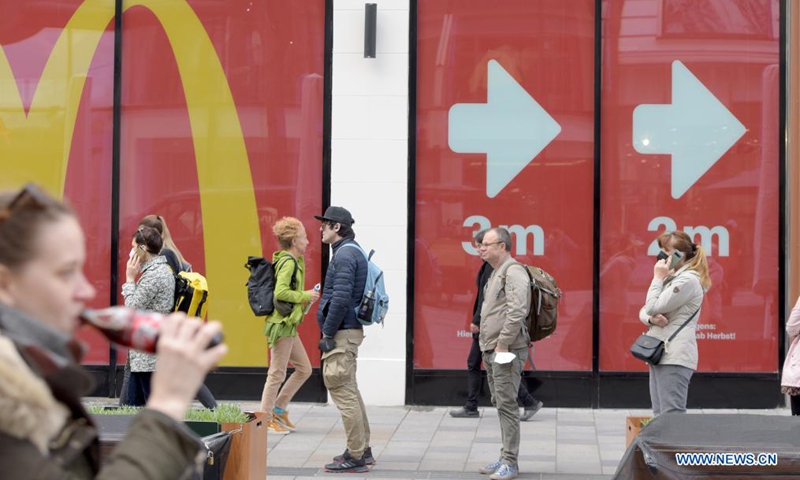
585 127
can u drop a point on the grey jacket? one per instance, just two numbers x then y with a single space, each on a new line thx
154 291
45 433
506 303
677 298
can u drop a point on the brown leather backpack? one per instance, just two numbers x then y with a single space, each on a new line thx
545 295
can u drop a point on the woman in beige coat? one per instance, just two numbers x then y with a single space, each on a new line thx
673 299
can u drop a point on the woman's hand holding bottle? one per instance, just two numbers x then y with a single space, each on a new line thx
314 297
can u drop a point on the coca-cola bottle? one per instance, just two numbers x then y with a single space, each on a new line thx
137 329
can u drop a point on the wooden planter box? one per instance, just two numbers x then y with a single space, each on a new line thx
248 456
633 425
203 429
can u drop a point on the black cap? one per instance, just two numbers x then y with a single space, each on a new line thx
337 215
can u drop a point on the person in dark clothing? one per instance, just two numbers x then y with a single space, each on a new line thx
342 334
474 377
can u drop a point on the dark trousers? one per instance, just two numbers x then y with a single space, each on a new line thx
204 395
475 380
139 388
795 402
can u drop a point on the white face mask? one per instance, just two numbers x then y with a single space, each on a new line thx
133 252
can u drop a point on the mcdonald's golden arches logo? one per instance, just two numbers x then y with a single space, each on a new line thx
43 156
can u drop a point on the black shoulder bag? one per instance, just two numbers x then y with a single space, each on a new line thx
650 349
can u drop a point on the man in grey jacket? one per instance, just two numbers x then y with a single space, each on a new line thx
504 342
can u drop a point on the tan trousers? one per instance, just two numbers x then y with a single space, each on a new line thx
285 350
339 374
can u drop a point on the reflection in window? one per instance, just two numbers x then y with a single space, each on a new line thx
715 17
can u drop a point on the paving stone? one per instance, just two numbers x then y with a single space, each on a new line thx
426 443
441 465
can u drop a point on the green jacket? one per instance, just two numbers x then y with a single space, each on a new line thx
277 326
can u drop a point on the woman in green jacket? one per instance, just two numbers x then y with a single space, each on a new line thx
281 327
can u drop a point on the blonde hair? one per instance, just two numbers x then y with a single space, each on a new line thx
157 222
287 229
694 254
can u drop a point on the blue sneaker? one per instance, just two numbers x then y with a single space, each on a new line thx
488 469
505 472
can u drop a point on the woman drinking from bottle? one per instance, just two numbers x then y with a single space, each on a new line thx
45 431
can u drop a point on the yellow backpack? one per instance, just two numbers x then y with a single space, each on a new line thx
191 294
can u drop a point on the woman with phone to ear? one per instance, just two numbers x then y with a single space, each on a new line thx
177 263
45 432
155 291
680 279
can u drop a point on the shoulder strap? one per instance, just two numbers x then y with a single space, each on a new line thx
358 247
504 269
527 273
293 283
685 323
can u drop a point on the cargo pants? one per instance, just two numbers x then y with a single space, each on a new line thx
504 382
339 374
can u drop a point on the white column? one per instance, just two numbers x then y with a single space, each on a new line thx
369 172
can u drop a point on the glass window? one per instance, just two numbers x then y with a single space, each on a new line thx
690 142
505 109
222 135
56 97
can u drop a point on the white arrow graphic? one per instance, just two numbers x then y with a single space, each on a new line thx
697 129
511 128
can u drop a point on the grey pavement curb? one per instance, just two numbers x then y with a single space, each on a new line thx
416 443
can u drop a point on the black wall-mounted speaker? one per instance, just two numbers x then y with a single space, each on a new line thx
370 29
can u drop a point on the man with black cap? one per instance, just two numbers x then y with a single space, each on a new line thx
342 334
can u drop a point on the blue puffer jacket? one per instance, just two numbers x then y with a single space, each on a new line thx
343 289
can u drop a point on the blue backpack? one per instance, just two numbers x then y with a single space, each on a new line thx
374 302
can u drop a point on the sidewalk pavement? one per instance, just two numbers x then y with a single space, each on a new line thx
416 443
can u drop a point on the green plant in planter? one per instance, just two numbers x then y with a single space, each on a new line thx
101 410
643 423
202 421
224 413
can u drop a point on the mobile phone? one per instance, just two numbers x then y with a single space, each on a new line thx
675 257
137 251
